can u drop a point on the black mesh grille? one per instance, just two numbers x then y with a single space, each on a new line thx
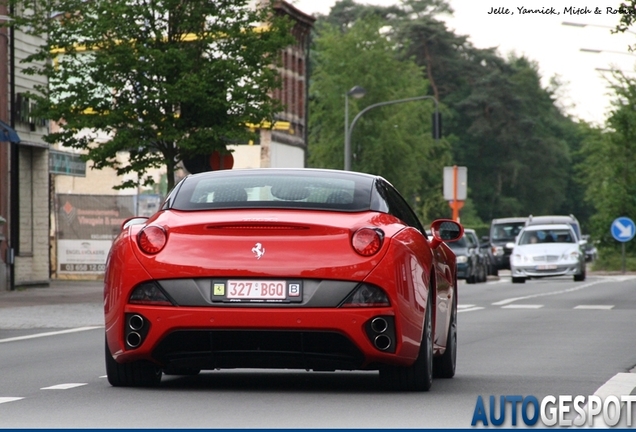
259 349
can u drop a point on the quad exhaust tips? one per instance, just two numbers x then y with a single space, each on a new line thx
381 332
136 330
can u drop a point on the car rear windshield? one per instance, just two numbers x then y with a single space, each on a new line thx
291 190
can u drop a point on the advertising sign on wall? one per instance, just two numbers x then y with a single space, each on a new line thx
86 227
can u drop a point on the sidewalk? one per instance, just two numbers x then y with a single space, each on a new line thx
63 304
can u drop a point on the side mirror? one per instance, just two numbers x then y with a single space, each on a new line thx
445 230
510 245
485 238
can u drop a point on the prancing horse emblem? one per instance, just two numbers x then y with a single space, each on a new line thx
258 250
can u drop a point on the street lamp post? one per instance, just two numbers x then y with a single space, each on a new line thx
356 92
348 130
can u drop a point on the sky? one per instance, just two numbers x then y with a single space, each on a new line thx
543 38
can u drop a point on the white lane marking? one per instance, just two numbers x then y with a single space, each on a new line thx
464 306
621 278
576 288
55 333
9 399
598 307
621 384
470 309
522 306
64 386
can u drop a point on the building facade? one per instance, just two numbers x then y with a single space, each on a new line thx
24 168
284 144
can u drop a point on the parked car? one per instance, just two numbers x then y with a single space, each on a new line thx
471 265
486 253
502 236
484 257
547 250
282 268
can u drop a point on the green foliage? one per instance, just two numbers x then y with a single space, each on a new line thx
609 168
160 80
611 259
393 141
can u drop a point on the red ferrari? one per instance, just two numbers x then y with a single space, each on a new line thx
282 268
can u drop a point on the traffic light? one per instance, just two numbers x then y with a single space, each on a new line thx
437 125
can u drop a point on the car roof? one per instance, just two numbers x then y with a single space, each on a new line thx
509 219
539 227
550 219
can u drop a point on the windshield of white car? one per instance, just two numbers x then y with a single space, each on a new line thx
547 236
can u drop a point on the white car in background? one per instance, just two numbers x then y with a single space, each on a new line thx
547 250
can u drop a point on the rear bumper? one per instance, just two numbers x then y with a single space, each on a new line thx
294 338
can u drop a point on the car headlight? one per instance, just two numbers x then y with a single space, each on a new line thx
572 255
519 258
462 259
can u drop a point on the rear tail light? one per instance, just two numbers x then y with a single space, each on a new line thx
149 293
152 239
367 241
366 295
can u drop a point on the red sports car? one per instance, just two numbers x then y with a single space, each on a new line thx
282 268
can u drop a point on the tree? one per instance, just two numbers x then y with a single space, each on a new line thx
393 141
162 80
609 168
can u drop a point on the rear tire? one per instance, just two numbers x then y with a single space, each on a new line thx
140 373
518 280
444 366
418 376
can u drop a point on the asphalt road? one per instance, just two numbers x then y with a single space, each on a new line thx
544 337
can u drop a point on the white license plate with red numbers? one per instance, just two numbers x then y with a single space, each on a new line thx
256 289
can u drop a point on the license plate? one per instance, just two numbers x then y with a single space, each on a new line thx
254 290
257 290
547 267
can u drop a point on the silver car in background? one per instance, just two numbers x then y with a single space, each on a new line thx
547 250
